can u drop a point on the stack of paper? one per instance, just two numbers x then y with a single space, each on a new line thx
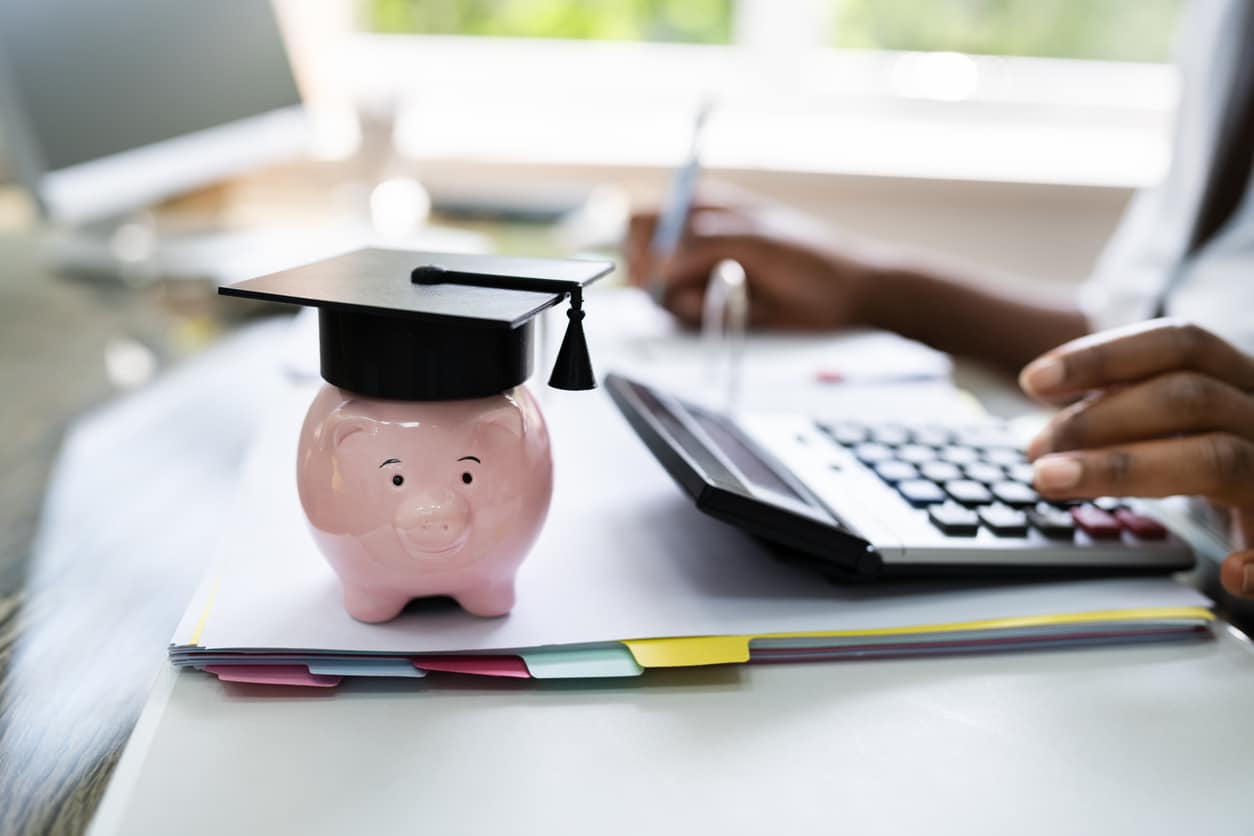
626 576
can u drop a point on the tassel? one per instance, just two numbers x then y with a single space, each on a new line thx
573 368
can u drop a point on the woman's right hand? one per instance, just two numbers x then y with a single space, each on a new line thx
803 275
800 274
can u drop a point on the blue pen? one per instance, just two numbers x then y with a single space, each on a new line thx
683 187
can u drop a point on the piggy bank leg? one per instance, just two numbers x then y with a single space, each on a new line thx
488 600
372 606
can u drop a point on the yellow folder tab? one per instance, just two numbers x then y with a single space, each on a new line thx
693 651
1130 616
199 629
689 651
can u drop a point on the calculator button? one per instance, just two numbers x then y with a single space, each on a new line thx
940 471
916 453
1142 526
959 455
1003 521
921 492
1015 493
1063 504
1003 456
953 519
984 437
1095 522
1021 473
1052 522
894 471
871 453
890 434
846 433
968 492
1109 504
989 474
931 436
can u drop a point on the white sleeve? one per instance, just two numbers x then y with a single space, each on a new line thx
1151 239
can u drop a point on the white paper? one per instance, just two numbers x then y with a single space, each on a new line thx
624 554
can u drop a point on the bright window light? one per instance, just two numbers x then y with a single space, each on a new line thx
1051 91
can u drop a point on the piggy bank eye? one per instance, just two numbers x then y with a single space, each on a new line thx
398 480
467 478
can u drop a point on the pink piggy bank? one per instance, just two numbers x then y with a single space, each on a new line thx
414 498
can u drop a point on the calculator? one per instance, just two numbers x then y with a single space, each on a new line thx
863 500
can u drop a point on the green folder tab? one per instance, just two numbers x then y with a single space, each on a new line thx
585 662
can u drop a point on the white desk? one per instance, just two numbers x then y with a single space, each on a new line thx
1153 739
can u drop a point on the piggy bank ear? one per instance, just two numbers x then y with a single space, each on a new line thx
340 426
507 419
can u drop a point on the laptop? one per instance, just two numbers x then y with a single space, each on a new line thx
869 500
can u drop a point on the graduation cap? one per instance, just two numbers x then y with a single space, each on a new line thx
405 325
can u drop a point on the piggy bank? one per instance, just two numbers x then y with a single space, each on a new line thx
414 498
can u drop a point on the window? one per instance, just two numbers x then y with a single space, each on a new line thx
1050 91
1107 30
675 21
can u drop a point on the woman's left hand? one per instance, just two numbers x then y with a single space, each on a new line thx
1157 409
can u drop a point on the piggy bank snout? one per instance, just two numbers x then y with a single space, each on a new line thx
433 521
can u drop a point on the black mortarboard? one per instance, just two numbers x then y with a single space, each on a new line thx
409 325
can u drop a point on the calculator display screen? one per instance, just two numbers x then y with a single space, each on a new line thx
757 472
732 479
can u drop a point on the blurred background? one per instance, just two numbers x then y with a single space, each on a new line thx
152 149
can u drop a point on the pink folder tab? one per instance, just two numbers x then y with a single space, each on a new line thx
273 675
478 665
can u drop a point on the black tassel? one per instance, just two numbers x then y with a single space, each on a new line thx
573 368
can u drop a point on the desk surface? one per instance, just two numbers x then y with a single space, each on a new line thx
1131 740
77 627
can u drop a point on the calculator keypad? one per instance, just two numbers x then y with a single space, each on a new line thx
977 479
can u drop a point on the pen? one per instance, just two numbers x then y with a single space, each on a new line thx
670 223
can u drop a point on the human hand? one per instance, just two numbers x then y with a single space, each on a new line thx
800 274
1158 409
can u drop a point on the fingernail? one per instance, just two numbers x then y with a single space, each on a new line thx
1042 374
1247 580
1057 473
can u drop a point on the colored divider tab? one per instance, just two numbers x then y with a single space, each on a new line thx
366 667
273 675
511 666
695 651
690 651
582 663
199 629
1130 616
